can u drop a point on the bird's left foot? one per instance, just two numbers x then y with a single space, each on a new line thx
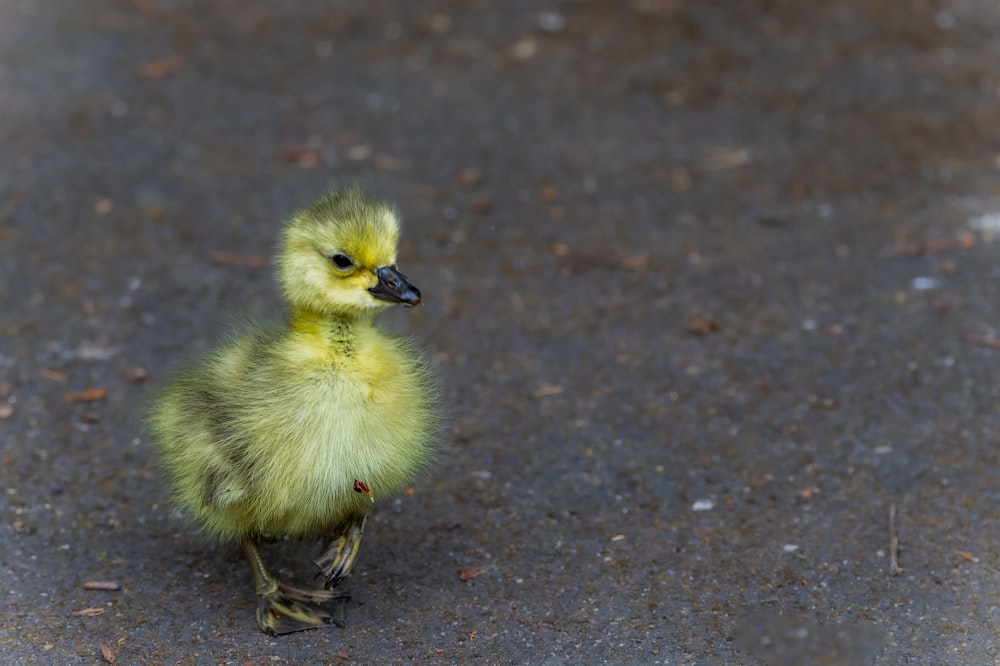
289 609
341 553
283 608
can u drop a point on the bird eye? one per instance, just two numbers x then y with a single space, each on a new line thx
341 261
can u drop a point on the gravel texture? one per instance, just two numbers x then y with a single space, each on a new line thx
711 288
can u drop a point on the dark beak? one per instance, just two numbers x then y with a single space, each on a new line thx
394 287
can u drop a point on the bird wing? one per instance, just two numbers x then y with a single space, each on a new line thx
223 489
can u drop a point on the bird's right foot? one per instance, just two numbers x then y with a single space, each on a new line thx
341 553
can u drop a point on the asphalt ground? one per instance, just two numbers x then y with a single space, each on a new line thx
711 289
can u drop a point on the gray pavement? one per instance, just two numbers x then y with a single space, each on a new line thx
710 287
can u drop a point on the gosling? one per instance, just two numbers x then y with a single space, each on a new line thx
293 432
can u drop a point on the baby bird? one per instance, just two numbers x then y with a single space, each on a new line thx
293 432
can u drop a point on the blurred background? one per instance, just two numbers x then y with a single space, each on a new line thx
711 288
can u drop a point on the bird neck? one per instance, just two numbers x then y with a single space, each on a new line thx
326 330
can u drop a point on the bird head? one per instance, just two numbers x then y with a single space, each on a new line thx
338 257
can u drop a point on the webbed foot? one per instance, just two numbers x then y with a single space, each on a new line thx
290 609
283 609
342 551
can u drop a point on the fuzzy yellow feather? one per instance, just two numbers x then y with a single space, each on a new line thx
268 434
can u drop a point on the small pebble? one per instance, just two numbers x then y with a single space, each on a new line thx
925 283
551 21
703 505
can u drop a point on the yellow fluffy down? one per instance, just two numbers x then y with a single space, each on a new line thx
266 435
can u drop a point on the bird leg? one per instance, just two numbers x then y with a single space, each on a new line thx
342 550
281 608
